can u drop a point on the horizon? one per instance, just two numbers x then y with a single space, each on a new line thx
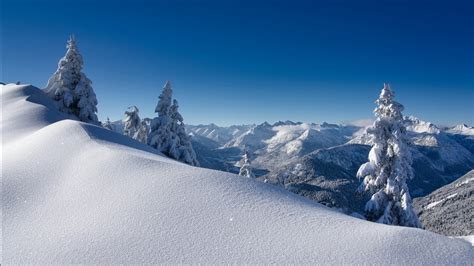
233 63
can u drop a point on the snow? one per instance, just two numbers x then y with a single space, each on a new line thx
418 126
435 203
425 141
452 196
218 134
70 88
167 130
131 121
78 193
292 138
389 166
469 239
245 166
462 129
467 181
427 136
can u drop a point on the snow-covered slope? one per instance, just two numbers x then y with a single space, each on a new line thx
450 209
77 193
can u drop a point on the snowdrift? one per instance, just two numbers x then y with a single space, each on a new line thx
77 193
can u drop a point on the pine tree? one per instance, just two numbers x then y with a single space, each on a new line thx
245 168
131 122
143 131
108 125
389 166
71 89
167 131
182 148
160 136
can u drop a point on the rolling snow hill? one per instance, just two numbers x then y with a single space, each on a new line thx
77 193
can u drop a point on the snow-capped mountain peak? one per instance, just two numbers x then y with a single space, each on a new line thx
418 126
462 129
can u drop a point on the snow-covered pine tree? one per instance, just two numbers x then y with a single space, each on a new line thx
245 168
167 131
131 122
108 125
87 103
160 136
389 166
182 149
143 131
71 89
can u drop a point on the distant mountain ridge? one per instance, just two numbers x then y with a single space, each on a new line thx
319 161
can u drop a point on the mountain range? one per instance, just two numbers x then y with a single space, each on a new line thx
320 161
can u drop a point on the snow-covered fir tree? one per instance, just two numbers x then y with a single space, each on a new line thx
160 136
389 166
131 122
182 142
71 89
245 168
143 131
108 125
167 131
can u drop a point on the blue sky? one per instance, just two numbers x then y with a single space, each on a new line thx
235 62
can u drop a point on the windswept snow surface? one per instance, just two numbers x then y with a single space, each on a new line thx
78 193
469 239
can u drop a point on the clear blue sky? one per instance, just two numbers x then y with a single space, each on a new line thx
234 62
